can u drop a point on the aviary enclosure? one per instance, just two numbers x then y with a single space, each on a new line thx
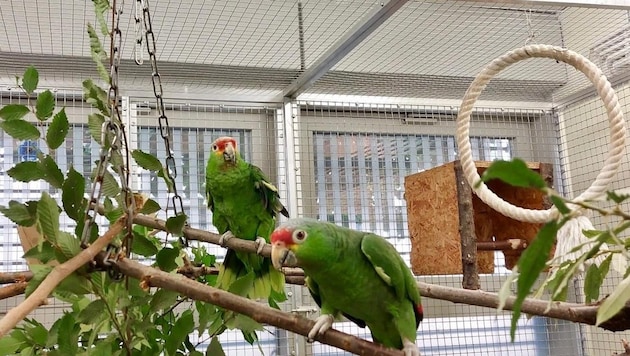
350 107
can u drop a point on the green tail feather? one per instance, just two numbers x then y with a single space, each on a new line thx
268 282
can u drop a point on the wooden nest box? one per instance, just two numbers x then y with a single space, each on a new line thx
446 218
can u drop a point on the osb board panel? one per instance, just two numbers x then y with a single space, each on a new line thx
433 221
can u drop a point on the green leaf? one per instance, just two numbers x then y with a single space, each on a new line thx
68 244
20 129
101 7
13 112
166 259
617 197
592 283
48 217
45 105
95 126
110 187
532 262
175 224
244 323
52 173
36 331
146 160
242 285
39 273
215 348
142 245
30 79
72 199
614 302
93 313
26 172
8 345
98 54
560 204
515 173
163 299
150 207
68 335
183 326
20 213
58 130
205 312
96 96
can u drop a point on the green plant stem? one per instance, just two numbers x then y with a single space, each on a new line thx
112 315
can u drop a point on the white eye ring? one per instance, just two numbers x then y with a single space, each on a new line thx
215 147
299 236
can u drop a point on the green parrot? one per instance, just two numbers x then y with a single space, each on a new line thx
355 274
244 204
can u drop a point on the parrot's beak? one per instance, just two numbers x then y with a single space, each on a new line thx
229 153
281 255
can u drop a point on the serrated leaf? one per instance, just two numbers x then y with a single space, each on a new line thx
68 244
150 207
205 312
215 348
52 173
39 274
26 172
166 259
560 204
183 326
45 105
532 262
13 112
146 160
101 7
515 173
36 331
48 217
142 245
58 130
93 313
20 129
96 96
98 54
242 285
72 199
95 125
9 344
68 338
30 79
18 213
110 187
614 302
163 299
175 224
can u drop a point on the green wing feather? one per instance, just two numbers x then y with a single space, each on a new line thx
268 192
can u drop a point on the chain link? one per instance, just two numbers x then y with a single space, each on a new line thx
138 54
112 127
165 130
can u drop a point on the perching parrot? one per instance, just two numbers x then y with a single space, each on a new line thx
355 274
244 204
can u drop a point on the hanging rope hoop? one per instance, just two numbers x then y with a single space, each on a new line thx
606 93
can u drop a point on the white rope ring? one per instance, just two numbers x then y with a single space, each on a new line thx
606 93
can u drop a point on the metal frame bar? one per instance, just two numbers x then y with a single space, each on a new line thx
342 47
602 4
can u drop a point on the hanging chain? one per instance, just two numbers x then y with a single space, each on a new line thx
165 130
114 128
138 56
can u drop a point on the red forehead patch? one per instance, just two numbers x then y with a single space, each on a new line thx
222 142
283 235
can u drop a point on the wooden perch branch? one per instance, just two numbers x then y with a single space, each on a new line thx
12 277
259 312
12 290
39 295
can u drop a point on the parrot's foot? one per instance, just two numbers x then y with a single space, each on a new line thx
410 348
226 236
322 323
260 244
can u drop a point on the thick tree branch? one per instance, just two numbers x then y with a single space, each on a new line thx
12 290
153 277
61 271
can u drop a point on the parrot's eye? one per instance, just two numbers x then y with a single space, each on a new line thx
215 147
299 236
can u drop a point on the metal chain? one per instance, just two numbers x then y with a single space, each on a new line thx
138 54
114 126
165 130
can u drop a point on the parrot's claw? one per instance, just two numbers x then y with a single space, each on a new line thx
410 348
322 323
226 236
260 244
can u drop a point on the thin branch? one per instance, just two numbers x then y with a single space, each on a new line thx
12 290
12 277
626 348
39 296
152 277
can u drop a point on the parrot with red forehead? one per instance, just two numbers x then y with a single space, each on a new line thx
355 274
244 204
